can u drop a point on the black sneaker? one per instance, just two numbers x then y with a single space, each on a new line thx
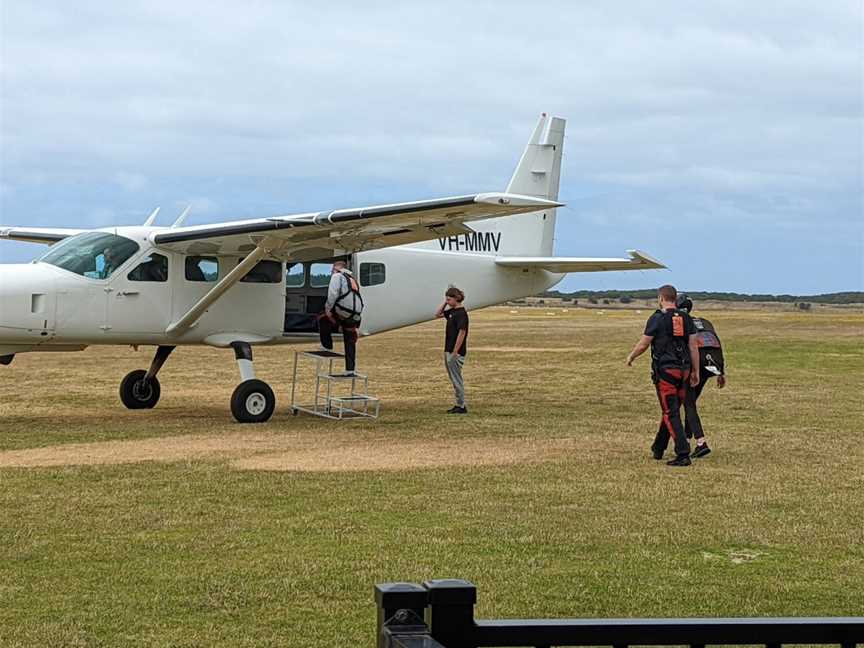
457 410
657 454
683 460
700 451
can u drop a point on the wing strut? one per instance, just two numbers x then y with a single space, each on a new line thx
264 247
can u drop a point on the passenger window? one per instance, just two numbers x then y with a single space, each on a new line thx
372 274
320 273
201 268
152 268
296 275
264 272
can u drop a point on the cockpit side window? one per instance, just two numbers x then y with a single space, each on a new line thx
95 255
153 267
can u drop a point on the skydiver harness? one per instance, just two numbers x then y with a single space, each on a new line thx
348 306
669 348
710 349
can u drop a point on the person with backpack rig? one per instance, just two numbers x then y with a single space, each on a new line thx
671 334
343 309
710 365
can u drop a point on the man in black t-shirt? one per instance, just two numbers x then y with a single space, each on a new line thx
455 343
674 363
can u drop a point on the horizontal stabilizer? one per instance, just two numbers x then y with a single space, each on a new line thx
562 265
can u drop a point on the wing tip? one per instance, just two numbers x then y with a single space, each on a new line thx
516 200
643 258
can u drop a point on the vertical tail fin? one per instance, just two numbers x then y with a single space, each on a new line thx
537 174
539 170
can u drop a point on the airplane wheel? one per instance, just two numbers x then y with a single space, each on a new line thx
136 393
253 402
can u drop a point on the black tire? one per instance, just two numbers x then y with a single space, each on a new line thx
136 393
253 402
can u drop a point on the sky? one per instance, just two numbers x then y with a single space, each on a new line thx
723 138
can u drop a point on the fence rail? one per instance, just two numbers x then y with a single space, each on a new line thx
440 614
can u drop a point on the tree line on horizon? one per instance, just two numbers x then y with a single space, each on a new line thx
849 297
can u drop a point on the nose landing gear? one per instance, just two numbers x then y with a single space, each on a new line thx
140 389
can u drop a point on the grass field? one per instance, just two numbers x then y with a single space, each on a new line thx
178 527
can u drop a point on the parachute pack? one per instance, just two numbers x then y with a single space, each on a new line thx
349 304
710 349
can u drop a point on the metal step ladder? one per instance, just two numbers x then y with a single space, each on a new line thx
335 395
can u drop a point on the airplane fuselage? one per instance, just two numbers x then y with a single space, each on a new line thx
44 307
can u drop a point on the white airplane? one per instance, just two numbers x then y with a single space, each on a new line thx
263 281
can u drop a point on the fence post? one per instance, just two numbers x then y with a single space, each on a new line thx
401 608
451 612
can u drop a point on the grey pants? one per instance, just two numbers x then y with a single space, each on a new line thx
454 363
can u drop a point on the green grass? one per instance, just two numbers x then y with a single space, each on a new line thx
196 552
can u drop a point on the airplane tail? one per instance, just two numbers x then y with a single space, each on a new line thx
525 235
537 174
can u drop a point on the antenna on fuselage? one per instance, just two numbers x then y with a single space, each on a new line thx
151 218
181 218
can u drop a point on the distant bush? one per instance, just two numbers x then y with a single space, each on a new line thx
592 300
625 299
805 306
651 294
606 301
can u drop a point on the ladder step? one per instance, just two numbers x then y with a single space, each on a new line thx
339 376
322 354
356 398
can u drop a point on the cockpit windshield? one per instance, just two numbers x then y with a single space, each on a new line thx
93 254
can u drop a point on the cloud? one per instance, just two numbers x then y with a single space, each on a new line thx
198 206
713 110
130 181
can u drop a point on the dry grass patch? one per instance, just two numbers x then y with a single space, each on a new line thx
381 455
165 449
307 453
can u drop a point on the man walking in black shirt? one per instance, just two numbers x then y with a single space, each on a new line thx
671 334
455 343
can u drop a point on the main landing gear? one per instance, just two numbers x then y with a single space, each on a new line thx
140 389
252 401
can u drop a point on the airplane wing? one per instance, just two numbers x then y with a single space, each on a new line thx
307 235
561 265
48 235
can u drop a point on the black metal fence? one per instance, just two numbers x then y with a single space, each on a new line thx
440 614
